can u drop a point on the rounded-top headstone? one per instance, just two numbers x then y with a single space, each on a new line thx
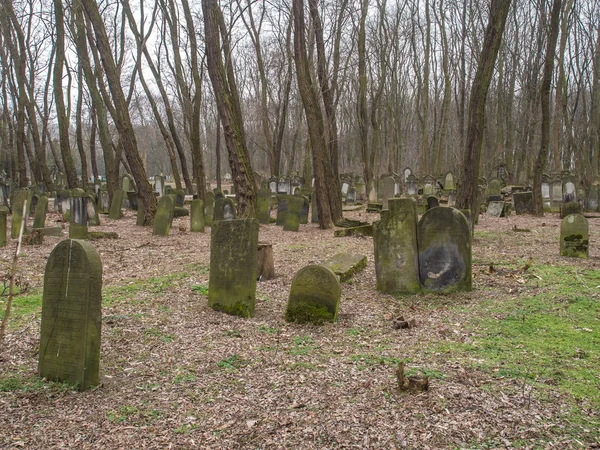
574 236
314 296
444 242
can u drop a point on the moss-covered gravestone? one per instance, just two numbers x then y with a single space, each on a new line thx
523 202
303 217
209 208
574 236
233 260
395 246
566 209
179 197
20 196
224 209
292 215
92 212
494 193
39 218
197 216
71 315
164 216
444 243
263 206
78 220
282 207
314 296
104 202
116 205
3 216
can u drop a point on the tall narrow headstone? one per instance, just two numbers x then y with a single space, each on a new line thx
78 220
164 216
314 209
263 206
386 190
444 243
575 237
292 215
71 315
39 218
3 216
115 206
282 207
20 196
314 296
233 260
197 216
92 212
209 208
395 246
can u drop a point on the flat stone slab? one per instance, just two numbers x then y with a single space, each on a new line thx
51 231
345 265
364 230
353 208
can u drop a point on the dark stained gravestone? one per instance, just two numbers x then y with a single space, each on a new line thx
92 212
282 207
164 216
3 216
395 246
39 218
314 296
351 197
115 206
179 197
569 208
314 216
263 206
61 201
575 237
292 215
444 243
225 209
132 200
209 208
233 261
303 217
523 202
197 216
19 197
591 200
78 220
432 202
71 315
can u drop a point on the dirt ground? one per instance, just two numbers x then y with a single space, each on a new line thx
176 374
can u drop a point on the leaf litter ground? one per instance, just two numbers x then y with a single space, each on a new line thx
175 374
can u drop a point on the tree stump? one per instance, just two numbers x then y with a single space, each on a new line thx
266 266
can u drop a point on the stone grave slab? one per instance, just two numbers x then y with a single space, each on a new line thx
523 202
346 265
197 216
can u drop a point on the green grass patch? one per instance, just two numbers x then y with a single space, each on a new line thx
232 363
267 329
364 361
302 345
200 289
20 383
23 307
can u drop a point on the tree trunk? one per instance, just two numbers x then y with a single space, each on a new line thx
467 190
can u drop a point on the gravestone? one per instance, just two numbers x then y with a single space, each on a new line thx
314 296
224 209
283 186
164 216
395 247
386 190
556 194
407 172
39 218
432 202
263 206
412 186
428 187
233 260
3 228
494 193
523 202
451 199
61 203
314 209
179 197
71 315
19 197
496 209
159 185
78 220
568 189
132 200
345 188
574 236
273 186
115 206
444 243
592 202
209 208
372 194
292 214
34 201
546 197
282 206
569 208
104 202
449 182
197 216
351 197
92 212
303 216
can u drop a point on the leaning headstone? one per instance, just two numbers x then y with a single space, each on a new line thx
346 265
523 202
3 216
233 259
496 209
164 216
574 236
444 243
159 185
197 216
71 315
39 218
314 296
263 206
115 206
209 208
20 196
395 246
78 220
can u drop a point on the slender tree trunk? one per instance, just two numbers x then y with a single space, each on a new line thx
79 129
92 143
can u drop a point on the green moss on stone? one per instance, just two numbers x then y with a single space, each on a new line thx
237 309
308 312
93 235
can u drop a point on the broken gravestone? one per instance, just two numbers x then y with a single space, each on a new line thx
444 243
314 296
574 237
233 260
71 315
395 247
346 265
39 218
116 204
